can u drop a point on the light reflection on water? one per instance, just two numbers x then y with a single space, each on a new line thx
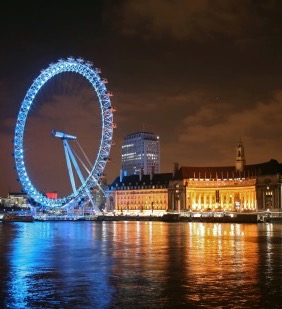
140 265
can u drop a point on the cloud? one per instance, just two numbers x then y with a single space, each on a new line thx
209 136
5 102
217 119
185 19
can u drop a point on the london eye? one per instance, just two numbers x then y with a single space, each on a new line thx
82 176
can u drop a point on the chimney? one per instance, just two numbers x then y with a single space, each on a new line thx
141 173
152 172
176 168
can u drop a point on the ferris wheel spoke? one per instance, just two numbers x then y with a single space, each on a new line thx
74 162
83 152
96 179
70 170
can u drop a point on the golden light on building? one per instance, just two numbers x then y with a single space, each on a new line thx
238 188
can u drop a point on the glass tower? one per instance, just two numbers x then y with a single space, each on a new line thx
140 154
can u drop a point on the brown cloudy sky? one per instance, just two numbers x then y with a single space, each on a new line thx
201 74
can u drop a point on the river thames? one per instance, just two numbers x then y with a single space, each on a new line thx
140 265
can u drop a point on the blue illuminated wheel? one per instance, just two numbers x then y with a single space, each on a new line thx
91 75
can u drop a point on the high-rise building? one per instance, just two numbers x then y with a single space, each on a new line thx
140 154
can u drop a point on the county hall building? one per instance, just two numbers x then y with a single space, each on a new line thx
241 188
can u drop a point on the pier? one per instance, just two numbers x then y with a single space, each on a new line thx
208 217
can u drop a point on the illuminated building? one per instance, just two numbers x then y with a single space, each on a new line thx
140 154
146 194
212 189
15 199
241 187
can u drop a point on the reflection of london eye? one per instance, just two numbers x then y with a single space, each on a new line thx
82 182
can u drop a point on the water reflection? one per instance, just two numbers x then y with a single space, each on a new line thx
223 264
55 265
140 265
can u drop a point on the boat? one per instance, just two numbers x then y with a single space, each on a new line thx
171 217
17 218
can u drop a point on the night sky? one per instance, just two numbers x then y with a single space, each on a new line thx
202 74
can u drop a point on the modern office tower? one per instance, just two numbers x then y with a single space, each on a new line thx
140 154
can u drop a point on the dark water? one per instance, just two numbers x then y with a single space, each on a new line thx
140 265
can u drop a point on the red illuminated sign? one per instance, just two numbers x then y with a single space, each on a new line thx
53 195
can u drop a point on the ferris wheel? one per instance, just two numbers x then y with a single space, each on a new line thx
80 190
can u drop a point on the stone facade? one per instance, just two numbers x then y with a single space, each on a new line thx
256 188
